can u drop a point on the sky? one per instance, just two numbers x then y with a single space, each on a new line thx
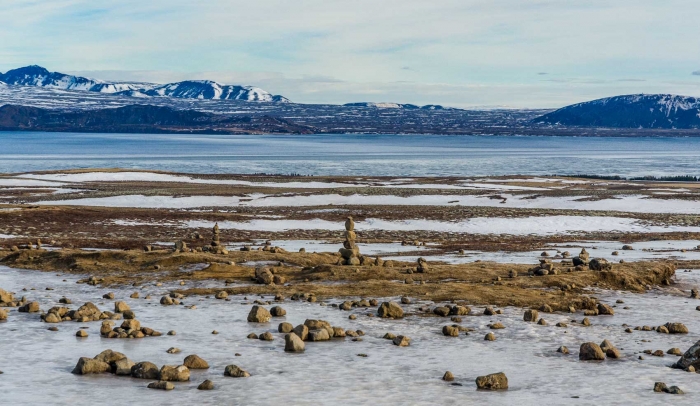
462 53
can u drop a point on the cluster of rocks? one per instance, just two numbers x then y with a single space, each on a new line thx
85 313
668 328
130 328
215 246
350 304
580 262
450 310
265 276
312 330
673 390
109 361
594 352
350 251
7 299
171 299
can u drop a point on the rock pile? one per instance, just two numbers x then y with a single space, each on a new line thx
582 258
85 313
129 329
350 251
216 247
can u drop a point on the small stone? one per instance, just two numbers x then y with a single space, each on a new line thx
448 377
490 337
402 341
591 352
235 371
206 385
563 350
497 381
161 385
81 333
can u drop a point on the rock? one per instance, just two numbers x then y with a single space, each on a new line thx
605 309
131 324
448 377
3 314
319 335
690 358
266 336
172 333
31 307
81 333
390 310
591 352
542 322
221 295
302 331
264 276
662 330
166 300
129 315
121 307
405 300
109 296
489 311
613 353
252 336
586 322
161 385
134 295
531 315
277 311
460 310
259 314
145 370
600 264
605 345
497 381
660 387
450 331
109 356
173 350
90 366
389 336
122 367
195 362
442 311
50 318
402 341
674 390
293 343
497 326
627 247
285 327
235 372
675 351
170 373
346 305
563 350
206 385
676 328
490 337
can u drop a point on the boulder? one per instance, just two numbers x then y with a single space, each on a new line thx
531 315
173 350
302 332
676 328
448 377
171 373
264 276
31 307
675 351
206 385
81 333
90 366
319 335
266 336
450 331
277 311
605 309
442 311
221 295
690 358
259 314
497 381
390 310
235 372
166 300
131 324
195 362
122 367
599 264
401 341
591 352
292 343
145 370
161 385
121 307
285 327
110 356
3 314
563 350
490 337
460 310
6 297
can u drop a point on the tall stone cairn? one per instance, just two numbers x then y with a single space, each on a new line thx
216 246
350 251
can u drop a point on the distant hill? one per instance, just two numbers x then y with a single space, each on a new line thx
655 111
396 106
190 89
140 119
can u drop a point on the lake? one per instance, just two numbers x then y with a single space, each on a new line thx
368 155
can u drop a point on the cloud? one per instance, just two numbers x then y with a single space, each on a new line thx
696 73
309 49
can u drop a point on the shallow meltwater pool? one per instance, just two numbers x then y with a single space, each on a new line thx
37 363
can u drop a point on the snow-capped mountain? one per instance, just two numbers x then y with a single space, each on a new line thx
190 89
630 111
395 106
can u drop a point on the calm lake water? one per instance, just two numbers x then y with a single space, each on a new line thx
374 155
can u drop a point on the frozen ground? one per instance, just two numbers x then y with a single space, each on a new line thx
37 368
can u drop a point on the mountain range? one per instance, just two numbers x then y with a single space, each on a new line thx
657 111
190 89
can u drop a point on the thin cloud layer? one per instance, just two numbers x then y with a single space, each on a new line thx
454 52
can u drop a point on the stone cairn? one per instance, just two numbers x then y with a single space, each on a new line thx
216 246
350 252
